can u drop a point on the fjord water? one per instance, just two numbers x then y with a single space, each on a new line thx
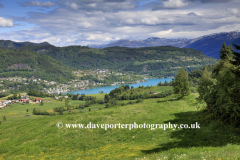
149 82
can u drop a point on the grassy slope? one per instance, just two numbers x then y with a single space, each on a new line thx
37 137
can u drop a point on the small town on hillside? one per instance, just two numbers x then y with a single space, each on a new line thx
52 87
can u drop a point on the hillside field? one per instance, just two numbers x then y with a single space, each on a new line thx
37 137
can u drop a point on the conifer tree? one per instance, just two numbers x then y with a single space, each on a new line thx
236 60
181 83
221 91
205 82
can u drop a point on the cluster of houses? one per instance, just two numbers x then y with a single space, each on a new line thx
24 80
57 97
17 79
4 103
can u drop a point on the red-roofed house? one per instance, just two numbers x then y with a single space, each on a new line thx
38 100
23 100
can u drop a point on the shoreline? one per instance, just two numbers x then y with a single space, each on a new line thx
104 86
106 89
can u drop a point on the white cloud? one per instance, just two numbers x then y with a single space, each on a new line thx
98 5
161 33
6 22
85 24
101 21
174 4
92 5
73 6
37 3
234 10
150 20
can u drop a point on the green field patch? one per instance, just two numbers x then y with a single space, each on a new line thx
37 137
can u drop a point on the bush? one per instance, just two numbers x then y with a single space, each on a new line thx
81 106
40 112
100 101
107 105
41 103
76 107
87 104
139 100
123 104
130 102
59 109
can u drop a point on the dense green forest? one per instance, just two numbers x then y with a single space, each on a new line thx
12 44
155 61
24 63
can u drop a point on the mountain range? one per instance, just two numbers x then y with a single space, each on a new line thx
208 44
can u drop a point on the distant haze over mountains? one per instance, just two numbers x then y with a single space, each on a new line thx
150 42
208 44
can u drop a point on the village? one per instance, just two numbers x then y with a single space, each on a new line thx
23 100
52 87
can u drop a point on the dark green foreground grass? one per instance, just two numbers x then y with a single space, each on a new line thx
37 137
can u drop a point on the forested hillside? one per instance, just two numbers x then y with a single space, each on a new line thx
12 44
155 61
17 62
161 61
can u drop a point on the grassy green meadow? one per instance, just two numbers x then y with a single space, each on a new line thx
37 137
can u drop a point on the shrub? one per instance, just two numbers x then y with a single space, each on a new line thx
123 104
59 109
40 112
139 100
34 110
87 104
130 102
107 105
81 106
100 101
41 104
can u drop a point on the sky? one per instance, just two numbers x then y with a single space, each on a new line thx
86 22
